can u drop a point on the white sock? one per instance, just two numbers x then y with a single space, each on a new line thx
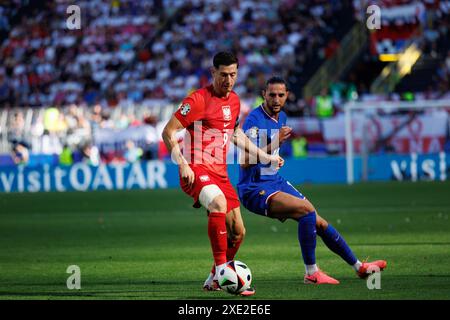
311 269
357 265
209 279
220 267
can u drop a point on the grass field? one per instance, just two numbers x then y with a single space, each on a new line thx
154 245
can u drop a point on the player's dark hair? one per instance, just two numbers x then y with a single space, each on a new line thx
225 58
276 80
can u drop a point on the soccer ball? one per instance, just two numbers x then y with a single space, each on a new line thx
235 278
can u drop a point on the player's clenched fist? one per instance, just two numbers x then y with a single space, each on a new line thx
284 134
277 161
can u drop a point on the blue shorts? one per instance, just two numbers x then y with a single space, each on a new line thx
255 197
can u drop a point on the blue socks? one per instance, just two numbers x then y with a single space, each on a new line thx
337 244
332 239
307 237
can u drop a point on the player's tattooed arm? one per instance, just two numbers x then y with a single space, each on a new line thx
171 142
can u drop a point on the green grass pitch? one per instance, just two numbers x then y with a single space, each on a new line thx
153 245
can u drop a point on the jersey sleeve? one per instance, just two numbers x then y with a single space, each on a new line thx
191 109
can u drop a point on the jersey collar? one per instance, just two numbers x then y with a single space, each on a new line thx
268 114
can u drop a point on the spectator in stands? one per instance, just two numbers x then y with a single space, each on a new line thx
50 143
299 147
323 105
20 153
66 156
90 154
93 70
79 66
132 153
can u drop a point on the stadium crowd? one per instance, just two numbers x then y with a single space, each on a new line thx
146 55
118 56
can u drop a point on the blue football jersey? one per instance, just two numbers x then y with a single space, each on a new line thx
261 128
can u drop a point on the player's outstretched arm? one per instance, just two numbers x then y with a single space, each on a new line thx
253 154
171 142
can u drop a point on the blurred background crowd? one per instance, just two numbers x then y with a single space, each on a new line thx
131 63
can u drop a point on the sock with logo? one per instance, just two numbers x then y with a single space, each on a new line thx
334 241
307 237
217 233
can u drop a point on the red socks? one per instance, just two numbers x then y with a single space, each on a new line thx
217 232
233 247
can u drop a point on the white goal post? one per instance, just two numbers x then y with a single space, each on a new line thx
386 106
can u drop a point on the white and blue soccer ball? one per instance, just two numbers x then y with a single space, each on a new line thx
235 278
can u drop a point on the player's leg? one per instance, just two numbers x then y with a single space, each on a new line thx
236 232
208 194
235 236
213 199
336 243
235 223
283 205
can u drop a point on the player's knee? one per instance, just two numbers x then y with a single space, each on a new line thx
212 198
303 208
321 224
218 204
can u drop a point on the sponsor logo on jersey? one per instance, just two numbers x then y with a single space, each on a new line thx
262 192
184 109
226 113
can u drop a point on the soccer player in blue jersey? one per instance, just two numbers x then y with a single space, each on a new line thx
263 191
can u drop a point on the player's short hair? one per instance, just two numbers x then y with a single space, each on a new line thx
225 58
276 80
